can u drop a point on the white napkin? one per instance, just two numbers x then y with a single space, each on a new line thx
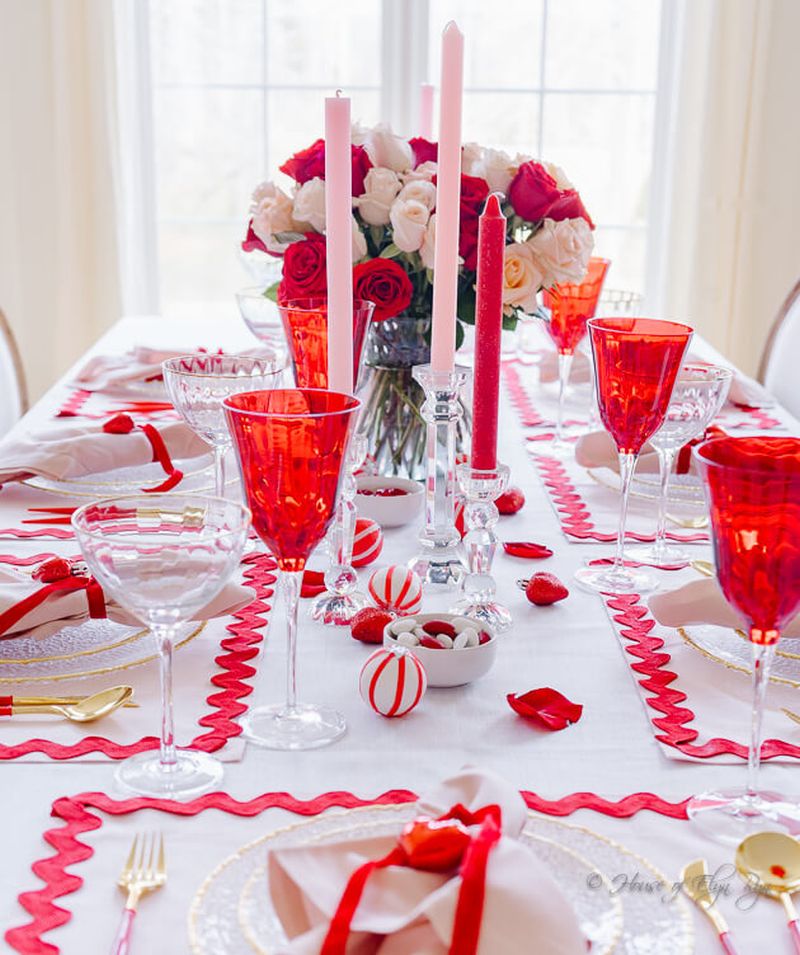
404 911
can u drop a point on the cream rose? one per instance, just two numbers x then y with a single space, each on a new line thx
386 149
559 175
562 250
420 190
272 213
409 220
471 158
309 203
522 278
426 250
424 171
498 169
381 186
359 242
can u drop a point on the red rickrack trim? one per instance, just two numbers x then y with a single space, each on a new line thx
226 705
77 819
762 418
520 398
73 405
54 533
634 624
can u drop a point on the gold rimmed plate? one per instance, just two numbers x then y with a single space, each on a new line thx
731 648
685 490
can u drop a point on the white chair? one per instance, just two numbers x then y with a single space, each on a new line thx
778 370
13 390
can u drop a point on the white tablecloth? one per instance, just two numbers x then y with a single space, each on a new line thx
569 646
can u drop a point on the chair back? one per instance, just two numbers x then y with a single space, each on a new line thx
779 362
13 390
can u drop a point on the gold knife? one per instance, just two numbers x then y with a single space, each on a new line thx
694 882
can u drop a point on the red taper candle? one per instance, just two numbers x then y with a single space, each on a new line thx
488 325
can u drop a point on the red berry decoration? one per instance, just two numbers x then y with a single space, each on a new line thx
543 589
435 627
368 624
511 501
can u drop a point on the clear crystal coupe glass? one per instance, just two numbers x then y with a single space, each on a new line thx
262 317
163 557
198 384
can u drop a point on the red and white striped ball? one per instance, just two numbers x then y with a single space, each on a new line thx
367 542
459 517
396 588
392 681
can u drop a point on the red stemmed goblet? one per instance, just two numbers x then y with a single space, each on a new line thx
753 492
571 306
291 445
636 362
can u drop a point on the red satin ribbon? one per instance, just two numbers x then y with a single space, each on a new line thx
124 424
58 579
454 848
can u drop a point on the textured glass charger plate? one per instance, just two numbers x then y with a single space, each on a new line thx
684 489
231 912
732 649
198 476
86 649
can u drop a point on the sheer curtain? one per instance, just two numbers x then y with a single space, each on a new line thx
59 261
730 248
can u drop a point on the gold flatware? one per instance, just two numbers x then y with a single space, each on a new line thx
690 523
58 700
84 711
791 715
704 567
770 863
144 871
695 883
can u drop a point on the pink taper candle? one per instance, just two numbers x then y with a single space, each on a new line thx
426 111
339 242
488 326
448 192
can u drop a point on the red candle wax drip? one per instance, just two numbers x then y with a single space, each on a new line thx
488 325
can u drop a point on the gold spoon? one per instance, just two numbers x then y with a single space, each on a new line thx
690 523
770 861
55 700
704 567
86 710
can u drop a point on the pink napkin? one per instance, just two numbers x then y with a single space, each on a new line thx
67 608
64 451
701 602
404 911
597 450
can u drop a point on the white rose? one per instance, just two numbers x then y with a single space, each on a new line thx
424 171
386 149
359 134
562 250
381 186
426 250
498 169
559 175
359 242
471 159
522 277
309 203
409 219
274 214
264 190
420 190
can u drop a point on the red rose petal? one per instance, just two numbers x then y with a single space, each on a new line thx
527 549
313 583
547 707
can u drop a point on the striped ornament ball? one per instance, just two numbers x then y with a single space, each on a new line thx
392 681
396 588
367 542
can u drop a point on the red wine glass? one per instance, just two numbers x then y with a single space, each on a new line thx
291 445
636 362
571 305
753 492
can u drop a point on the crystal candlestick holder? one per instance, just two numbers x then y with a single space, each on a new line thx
341 601
439 562
481 488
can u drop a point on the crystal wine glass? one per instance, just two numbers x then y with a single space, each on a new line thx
291 446
571 305
753 492
262 317
196 385
699 393
163 557
306 324
636 362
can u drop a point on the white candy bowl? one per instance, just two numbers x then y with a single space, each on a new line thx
389 511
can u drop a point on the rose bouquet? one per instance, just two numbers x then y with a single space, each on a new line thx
549 240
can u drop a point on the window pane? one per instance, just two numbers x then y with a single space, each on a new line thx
627 249
507 121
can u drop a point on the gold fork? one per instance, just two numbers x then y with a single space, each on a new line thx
144 871
690 523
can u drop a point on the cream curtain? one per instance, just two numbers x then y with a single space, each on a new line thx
59 263
731 251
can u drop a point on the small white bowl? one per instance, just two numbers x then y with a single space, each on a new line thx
389 511
448 667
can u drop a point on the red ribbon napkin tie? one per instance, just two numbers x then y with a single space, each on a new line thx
432 845
124 424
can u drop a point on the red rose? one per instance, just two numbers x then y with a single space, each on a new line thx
304 268
251 240
569 206
474 191
424 150
310 163
533 191
384 282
